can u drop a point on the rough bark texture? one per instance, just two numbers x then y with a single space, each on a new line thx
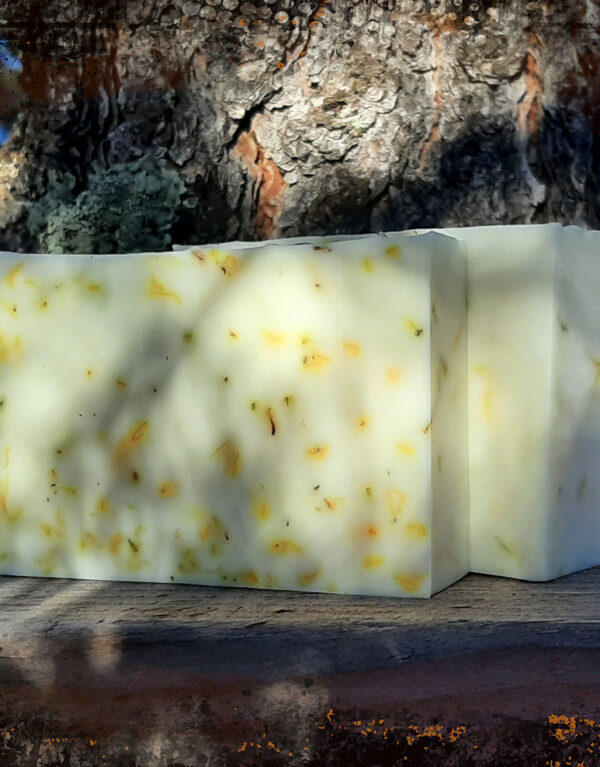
287 118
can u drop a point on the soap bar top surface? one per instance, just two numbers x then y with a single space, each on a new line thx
256 417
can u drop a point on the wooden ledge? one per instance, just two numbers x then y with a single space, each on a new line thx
128 665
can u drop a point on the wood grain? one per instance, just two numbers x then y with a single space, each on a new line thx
149 671
340 633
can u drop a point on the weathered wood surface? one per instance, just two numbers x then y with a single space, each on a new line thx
174 675
288 118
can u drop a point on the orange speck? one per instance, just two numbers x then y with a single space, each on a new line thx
168 489
260 509
318 453
260 44
158 290
409 582
395 502
363 422
280 65
188 562
371 531
103 505
273 338
233 334
351 347
133 439
417 530
284 547
86 540
307 578
315 360
393 375
230 265
251 577
230 455
414 328
10 277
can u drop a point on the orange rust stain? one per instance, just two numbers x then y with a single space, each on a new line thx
529 110
269 181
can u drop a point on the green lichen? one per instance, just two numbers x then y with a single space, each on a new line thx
128 208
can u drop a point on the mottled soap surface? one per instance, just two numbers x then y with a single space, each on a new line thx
258 417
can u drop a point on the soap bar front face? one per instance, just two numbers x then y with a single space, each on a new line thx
258 417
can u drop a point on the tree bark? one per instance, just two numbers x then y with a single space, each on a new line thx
293 118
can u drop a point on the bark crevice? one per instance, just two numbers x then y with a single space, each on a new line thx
316 117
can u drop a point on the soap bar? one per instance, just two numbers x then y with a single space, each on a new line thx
282 416
534 399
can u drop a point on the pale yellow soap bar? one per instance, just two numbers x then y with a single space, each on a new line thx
280 416
534 399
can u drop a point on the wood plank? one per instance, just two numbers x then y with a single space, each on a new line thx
146 671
